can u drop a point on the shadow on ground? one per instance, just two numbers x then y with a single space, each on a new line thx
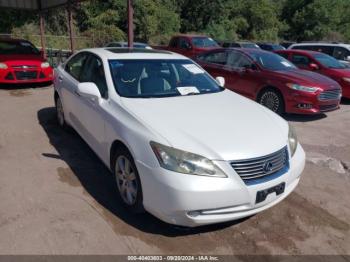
98 181
24 86
303 118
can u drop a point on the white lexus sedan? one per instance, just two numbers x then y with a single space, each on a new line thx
180 146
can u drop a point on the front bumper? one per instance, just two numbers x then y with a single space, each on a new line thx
22 76
304 103
191 201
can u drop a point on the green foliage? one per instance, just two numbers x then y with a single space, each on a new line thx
156 20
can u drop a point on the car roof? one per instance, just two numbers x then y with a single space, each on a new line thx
133 53
298 51
320 44
190 35
125 43
12 40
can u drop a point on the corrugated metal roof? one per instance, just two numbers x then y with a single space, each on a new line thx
32 4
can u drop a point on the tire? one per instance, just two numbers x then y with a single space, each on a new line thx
127 180
60 113
273 100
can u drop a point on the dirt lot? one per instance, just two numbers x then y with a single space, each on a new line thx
58 198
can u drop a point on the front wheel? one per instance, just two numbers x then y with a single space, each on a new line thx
128 181
273 100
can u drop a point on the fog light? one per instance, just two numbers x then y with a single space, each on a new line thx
305 106
194 213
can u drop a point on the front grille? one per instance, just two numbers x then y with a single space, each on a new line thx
324 108
261 167
25 75
330 95
24 66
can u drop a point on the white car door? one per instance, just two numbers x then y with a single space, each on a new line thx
68 79
90 113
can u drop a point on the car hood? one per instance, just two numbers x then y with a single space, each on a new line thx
220 126
304 77
339 72
20 59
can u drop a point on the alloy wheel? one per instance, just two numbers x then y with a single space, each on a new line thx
270 100
126 180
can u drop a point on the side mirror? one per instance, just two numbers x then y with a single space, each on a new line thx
347 58
220 80
313 66
89 90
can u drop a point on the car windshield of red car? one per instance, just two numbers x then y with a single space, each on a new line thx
204 42
328 61
18 48
272 61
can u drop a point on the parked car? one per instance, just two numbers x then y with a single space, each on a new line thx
272 81
322 64
22 62
239 44
270 46
189 45
179 145
125 44
339 51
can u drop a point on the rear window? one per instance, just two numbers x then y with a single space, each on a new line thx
204 42
18 48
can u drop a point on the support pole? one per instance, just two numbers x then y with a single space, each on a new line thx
42 34
70 27
130 24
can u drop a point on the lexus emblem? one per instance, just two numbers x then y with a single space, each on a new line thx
267 167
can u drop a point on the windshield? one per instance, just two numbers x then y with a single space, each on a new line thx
160 78
272 61
18 48
204 42
328 61
250 45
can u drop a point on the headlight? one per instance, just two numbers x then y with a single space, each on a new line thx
3 66
45 65
293 140
346 79
308 89
185 162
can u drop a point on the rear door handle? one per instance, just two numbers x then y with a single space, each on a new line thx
60 78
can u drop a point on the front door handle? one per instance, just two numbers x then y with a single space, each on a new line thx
60 78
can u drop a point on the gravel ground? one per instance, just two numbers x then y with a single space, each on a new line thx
58 198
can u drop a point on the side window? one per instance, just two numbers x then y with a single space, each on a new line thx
325 49
341 53
226 45
284 55
304 47
238 60
174 42
93 72
183 43
300 60
75 65
219 58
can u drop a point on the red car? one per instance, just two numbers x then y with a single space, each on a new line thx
22 62
272 80
322 64
189 45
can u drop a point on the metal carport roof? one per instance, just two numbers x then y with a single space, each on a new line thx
32 4
42 5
